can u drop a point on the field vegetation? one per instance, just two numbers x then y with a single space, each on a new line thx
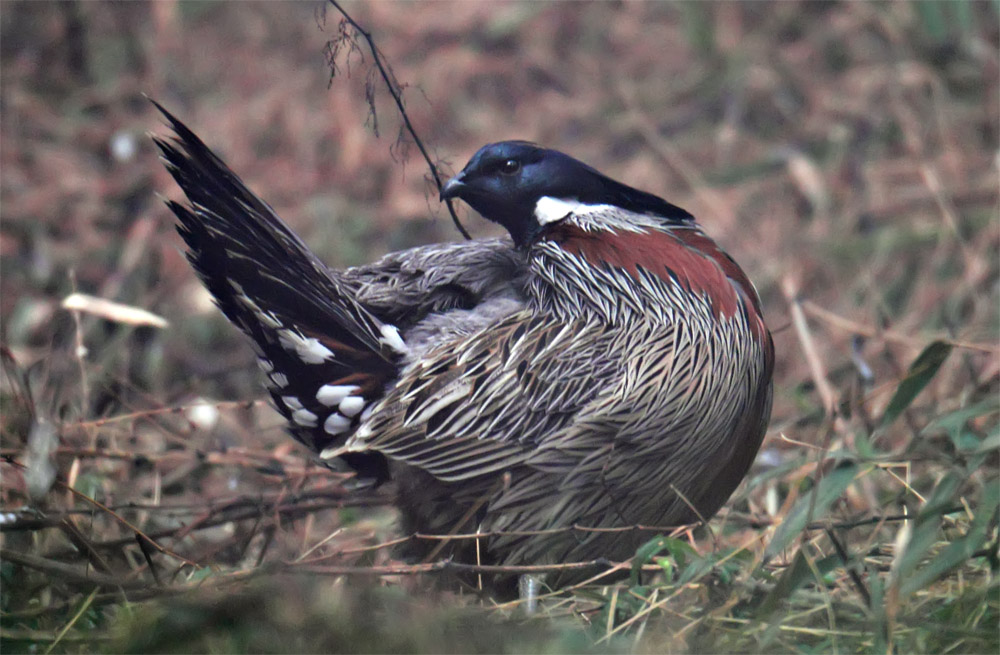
845 153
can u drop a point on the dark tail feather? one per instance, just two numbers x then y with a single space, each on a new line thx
310 334
232 235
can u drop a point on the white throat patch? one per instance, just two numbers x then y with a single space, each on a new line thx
551 210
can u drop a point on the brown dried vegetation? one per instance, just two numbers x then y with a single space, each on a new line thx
844 153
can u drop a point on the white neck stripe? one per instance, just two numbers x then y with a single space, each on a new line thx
552 210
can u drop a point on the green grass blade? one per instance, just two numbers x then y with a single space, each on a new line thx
797 574
809 507
959 550
926 526
923 368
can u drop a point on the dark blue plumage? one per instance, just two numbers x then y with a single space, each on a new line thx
504 182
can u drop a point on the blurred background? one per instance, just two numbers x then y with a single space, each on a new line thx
844 153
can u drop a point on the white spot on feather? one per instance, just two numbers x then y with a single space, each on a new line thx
280 380
309 349
335 423
351 406
291 402
305 418
331 394
265 364
391 338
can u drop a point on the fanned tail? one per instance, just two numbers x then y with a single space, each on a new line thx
326 357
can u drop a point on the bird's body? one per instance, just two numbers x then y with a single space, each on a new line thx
609 367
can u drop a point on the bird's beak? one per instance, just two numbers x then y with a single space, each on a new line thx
453 188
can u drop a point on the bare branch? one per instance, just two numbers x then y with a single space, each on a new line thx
395 90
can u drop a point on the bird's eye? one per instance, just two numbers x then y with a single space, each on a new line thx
510 167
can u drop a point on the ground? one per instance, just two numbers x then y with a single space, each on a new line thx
844 153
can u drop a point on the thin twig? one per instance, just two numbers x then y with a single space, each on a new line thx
137 592
846 324
84 497
816 366
398 98
449 565
72 621
473 509
845 560
145 413
828 524
68 573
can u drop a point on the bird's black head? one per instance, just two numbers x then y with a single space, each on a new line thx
505 181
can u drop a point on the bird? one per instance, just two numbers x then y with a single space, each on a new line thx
605 365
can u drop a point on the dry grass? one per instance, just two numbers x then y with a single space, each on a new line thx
844 153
